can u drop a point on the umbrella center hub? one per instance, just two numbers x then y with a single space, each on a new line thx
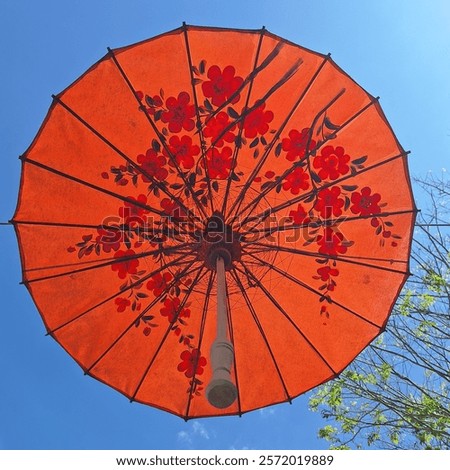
219 240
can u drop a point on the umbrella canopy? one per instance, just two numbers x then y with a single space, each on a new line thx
213 220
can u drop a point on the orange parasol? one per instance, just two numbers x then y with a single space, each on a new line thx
213 220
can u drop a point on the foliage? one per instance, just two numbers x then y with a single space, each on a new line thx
396 394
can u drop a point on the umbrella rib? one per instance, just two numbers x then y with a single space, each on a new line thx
109 262
255 171
83 263
137 167
314 291
157 299
201 273
248 272
345 259
176 262
236 379
93 186
261 331
197 113
160 136
269 231
200 340
241 124
121 227
286 173
302 197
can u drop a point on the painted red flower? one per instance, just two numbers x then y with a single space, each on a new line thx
126 266
192 363
332 162
172 208
219 162
134 214
159 283
295 145
299 216
326 273
329 203
122 304
215 128
257 122
365 203
172 311
183 150
296 180
331 242
152 165
180 113
109 239
221 85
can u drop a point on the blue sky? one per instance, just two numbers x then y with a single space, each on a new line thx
398 50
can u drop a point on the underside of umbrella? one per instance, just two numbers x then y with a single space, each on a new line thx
214 220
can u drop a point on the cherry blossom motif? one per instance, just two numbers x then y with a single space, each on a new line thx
159 283
326 273
215 129
219 162
172 208
295 145
257 121
364 203
126 266
331 242
299 216
172 310
222 85
109 239
122 304
180 113
183 150
152 165
192 363
296 180
332 162
134 214
329 203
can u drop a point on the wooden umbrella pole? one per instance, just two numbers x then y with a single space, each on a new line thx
221 391
221 300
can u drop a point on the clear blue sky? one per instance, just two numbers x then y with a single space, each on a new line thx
399 50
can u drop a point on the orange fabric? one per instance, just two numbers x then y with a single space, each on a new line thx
137 154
